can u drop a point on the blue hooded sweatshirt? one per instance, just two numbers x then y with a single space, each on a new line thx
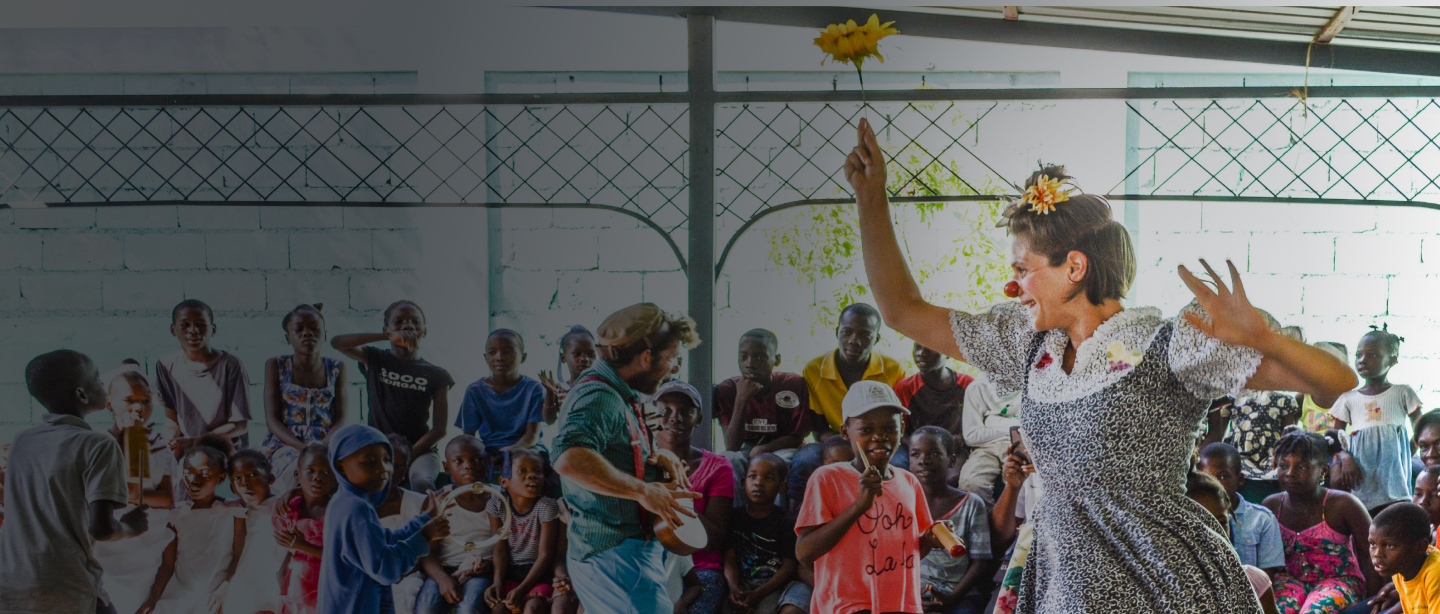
361 557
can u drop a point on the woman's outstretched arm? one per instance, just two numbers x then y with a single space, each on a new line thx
896 293
1287 364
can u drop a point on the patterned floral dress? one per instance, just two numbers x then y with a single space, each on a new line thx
1257 420
307 414
1321 573
1112 441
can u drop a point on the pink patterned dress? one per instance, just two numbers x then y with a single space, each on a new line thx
1321 574
299 593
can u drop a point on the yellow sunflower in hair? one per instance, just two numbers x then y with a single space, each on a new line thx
1045 194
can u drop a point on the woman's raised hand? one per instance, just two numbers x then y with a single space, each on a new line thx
865 166
1233 319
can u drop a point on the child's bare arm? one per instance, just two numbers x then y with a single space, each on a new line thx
815 541
162 576
160 497
438 419
337 405
1357 520
528 439
545 562
732 570
237 548
274 404
350 345
691 582
500 556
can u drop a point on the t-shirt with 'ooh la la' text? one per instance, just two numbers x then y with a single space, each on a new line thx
876 565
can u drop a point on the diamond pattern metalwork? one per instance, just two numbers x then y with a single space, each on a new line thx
773 153
628 156
1353 149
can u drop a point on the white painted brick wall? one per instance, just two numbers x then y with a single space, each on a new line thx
220 218
301 217
154 292
82 252
20 252
58 217
247 250
347 249
61 292
398 249
137 217
163 252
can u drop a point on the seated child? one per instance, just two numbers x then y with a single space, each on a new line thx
1022 495
204 389
1253 531
406 394
1400 541
710 476
1381 417
304 394
256 587
209 537
399 507
836 449
524 562
857 515
459 569
565 601
504 410
362 557
760 556
62 466
934 396
986 420
1427 495
1326 532
952 584
1206 490
298 518
130 565
577 353
761 410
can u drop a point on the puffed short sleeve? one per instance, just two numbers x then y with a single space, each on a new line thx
996 342
1207 367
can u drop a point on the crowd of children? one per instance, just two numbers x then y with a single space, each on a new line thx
829 495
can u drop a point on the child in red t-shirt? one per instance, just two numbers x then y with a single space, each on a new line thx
864 524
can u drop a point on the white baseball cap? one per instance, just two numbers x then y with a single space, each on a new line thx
865 396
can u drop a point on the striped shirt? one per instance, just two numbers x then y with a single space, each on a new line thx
524 538
594 417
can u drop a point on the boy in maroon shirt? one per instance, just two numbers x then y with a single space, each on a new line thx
761 410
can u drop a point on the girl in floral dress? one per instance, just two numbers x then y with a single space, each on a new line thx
1326 532
304 395
1112 398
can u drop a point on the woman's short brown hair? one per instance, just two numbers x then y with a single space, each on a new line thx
1084 223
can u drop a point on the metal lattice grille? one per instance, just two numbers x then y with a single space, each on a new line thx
768 154
628 156
1366 148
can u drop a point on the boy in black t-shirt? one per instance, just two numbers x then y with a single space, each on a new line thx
760 557
761 410
407 395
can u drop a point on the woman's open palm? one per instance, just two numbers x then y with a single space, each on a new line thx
1233 319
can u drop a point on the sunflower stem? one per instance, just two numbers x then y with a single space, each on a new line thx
864 104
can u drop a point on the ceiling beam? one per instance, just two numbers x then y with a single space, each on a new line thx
1012 13
1337 23
1071 36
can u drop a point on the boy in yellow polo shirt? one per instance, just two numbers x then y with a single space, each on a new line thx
829 376
1400 548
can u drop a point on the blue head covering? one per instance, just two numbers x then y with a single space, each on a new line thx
349 440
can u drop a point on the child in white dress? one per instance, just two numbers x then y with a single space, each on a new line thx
209 538
1381 419
257 575
130 564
